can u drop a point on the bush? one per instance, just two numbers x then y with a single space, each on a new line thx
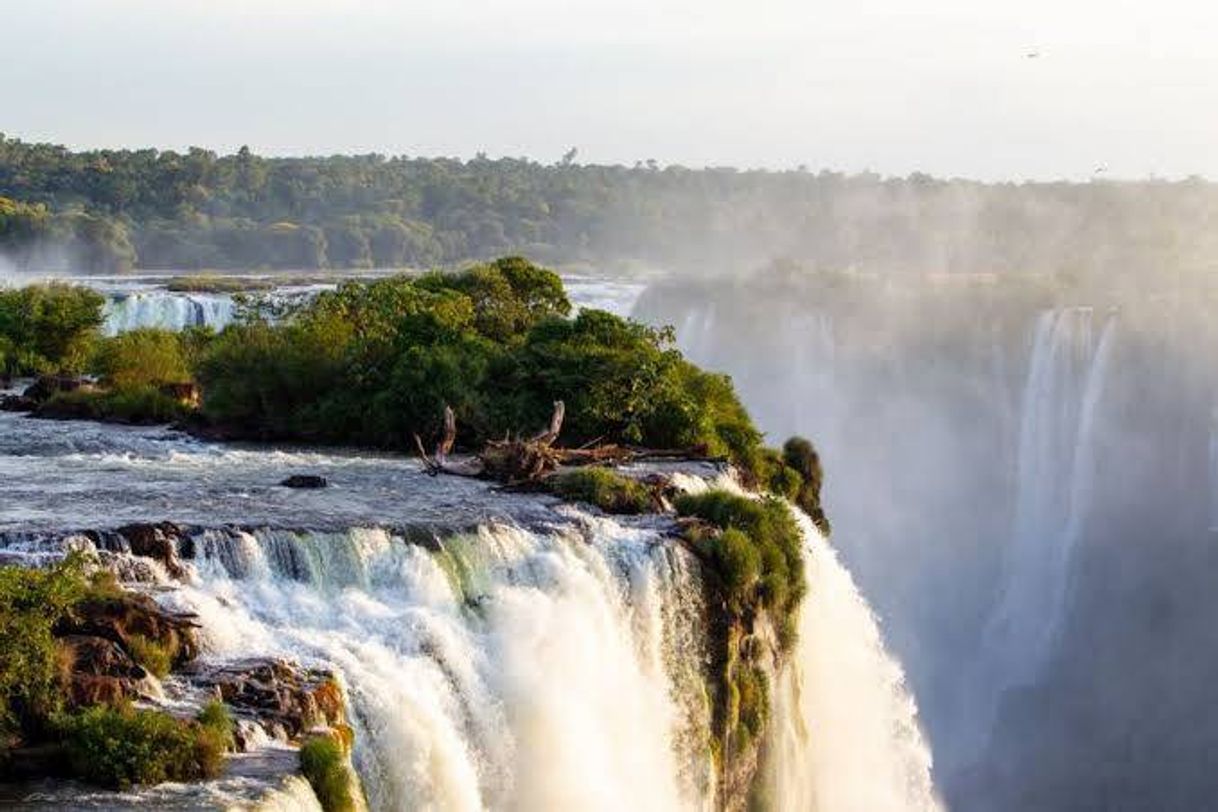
773 539
215 736
48 328
141 358
324 764
122 747
608 490
32 602
139 406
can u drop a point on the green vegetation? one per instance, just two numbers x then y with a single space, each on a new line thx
375 362
141 358
324 763
139 406
606 489
761 564
106 209
156 657
47 328
32 602
119 747
114 745
217 283
756 551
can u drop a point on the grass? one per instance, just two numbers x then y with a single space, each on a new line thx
606 489
323 761
217 283
153 656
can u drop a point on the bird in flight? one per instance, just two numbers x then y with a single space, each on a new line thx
1032 55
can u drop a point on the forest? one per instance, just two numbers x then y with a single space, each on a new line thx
106 211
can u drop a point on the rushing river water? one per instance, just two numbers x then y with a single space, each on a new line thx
498 651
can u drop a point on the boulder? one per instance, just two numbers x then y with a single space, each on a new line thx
305 481
284 697
156 541
120 617
17 403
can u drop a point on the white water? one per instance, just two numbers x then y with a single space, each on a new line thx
1055 477
1056 473
514 670
167 311
846 735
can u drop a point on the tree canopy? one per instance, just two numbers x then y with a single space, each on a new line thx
109 209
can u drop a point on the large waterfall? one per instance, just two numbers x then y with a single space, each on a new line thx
1055 473
847 734
512 669
1056 469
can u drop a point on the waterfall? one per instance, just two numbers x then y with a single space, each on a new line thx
1055 475
846 735
1056 469
167 310
513 669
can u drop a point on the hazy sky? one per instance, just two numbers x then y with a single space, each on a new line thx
941 86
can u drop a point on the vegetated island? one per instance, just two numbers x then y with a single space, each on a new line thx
470 358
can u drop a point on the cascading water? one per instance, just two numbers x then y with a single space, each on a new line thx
846 734
510 670
167 311
1056 470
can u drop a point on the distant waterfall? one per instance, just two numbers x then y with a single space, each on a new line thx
846 733
1056 471
167 310
509 670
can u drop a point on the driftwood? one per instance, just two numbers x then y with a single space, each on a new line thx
515 461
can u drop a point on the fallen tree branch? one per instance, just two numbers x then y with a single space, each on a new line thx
517 462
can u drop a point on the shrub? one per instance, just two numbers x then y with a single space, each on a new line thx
48 328
324 764
139 406
774 540
608 490
141 358
32 602
737 561
215 736
124 746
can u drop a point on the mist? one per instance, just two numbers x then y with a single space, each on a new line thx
1021 476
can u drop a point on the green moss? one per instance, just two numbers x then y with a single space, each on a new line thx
324 763
124 746
606 489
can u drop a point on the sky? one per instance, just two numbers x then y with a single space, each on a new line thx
1037 89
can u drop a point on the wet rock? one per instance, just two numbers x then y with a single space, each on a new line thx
305 481
156 541
17 403
286 699
123 616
